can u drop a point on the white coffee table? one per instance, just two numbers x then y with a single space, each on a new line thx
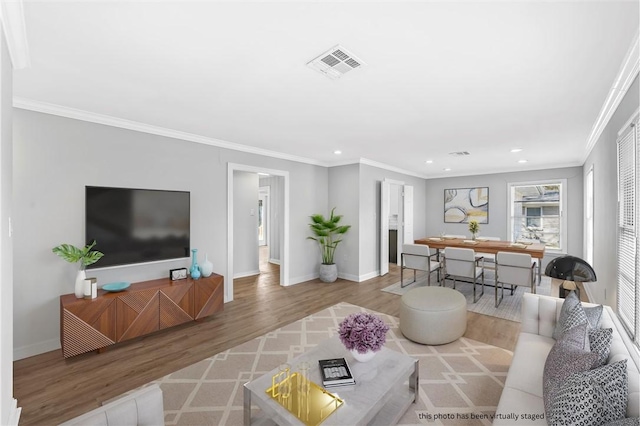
385 387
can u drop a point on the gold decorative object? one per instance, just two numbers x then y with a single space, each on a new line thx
307 401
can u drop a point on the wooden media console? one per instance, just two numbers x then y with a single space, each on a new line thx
145 307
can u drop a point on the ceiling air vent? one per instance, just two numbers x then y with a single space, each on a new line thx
459 153
335 62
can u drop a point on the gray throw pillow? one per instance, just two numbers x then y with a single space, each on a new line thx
593 314
591 398
567 357
600 343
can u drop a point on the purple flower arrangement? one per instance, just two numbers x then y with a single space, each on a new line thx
363 332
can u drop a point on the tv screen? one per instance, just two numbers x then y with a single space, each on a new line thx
137 225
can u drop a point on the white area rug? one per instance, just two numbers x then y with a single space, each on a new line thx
509 308
460 383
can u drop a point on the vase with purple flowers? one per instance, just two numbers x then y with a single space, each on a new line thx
363 334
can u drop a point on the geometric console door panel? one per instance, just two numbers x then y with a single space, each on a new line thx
145 307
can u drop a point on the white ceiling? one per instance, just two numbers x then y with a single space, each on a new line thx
439 77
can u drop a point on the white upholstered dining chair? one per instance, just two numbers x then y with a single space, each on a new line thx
419 258
463 263
514 269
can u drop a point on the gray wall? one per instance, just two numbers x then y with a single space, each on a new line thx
245 224
55 157
6 245
603 157
498 199
343 195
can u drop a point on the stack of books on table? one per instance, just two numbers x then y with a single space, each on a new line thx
335 372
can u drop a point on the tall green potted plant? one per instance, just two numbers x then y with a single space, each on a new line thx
328 234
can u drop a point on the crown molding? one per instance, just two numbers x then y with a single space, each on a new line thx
12 15
626 75
391 168
108 120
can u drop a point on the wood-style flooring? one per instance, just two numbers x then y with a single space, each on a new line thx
51 389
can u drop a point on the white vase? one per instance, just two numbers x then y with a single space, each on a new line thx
367 356
80 277
207 267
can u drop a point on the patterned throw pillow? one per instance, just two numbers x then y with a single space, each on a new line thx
569 303
592 314
600 343
567 356
592 397
627 421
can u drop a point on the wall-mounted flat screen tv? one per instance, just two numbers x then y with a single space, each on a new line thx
137 225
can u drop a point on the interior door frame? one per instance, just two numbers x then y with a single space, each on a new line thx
264 193
384 224
284 233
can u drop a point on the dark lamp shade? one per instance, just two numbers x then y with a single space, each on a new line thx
570 268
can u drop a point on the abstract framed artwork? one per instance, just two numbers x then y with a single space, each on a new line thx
464 204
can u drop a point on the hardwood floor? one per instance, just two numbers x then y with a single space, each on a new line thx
51 389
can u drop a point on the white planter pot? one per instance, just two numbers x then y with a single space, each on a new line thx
367 356
328 273
80 277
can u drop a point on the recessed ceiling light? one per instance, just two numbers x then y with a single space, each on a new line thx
522 161
337 152
447 169
516 150
429 161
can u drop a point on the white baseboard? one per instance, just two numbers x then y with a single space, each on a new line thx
14 415
274 261
368 276
35 349
246 274
304 278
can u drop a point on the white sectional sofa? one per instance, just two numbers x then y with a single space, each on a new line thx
142 407
522 402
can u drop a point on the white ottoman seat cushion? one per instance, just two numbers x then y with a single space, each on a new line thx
433 315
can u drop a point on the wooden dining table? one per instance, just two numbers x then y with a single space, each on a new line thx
536 250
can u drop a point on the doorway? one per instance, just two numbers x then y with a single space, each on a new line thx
277 233
396 221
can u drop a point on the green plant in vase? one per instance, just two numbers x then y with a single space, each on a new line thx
328 234
474 228
85 256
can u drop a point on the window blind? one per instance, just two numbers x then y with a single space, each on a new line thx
628 291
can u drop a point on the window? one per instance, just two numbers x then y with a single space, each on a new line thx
536 213
628 283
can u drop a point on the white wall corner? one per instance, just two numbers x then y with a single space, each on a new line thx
626 75
13 23
14 415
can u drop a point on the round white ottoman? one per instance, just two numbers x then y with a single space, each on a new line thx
433 315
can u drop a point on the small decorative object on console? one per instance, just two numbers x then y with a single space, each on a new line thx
335 372
178 274
207 267
116 287
195 269
363 332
